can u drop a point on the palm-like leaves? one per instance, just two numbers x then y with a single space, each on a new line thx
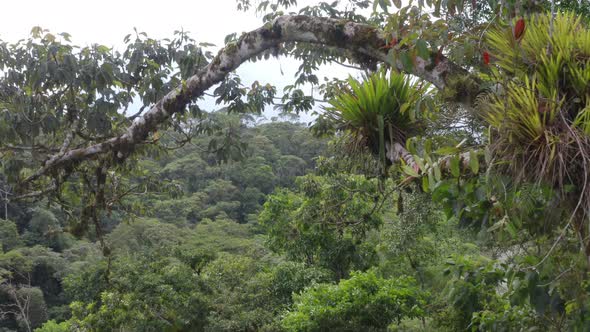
541 119
381 108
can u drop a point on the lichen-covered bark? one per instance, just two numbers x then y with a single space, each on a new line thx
397 152
358 38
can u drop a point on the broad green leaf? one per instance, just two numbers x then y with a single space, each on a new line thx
446 150
428 146
410 171
473 162
49 37
425 184
455 169
103 49
437 172
419 162
431 181
422 48
511 229
36 32
385 4
407 61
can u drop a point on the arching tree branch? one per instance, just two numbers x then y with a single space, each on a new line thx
361 39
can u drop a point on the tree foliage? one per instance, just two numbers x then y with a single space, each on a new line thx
364 301
462 202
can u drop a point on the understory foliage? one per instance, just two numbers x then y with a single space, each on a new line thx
364 301
325 222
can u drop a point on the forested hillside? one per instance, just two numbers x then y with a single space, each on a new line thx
227 246
443 187
198 214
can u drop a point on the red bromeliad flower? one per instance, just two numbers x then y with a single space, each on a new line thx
519 29
486 57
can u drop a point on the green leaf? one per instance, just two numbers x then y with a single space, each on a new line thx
422 49
511 229
419 162
437 173
473 162
49 37
411 146
391 57
407 62
431 181
425 183
455 169
98 122
446 150
437 8
428 146
410 171
36 32
103 49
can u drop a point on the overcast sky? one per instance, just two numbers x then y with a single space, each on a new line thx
108 21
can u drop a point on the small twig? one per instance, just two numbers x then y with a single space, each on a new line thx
347 65
132 117
91 138
35 194
36 147
556 278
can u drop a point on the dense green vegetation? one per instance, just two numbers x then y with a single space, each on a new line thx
404 207
188 254
227 251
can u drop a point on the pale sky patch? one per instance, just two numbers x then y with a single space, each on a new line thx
108 21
